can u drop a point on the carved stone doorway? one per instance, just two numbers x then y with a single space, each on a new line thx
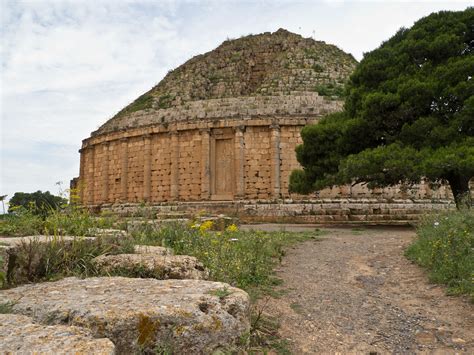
222 165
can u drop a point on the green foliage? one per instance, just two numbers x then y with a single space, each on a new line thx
20 223
221 292
3 276
329 90
318 68
36 260
72 220
165 101
445 246
409 113
39 203
298 182
6 308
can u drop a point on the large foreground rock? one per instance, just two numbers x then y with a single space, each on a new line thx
158 266
19 335
187 316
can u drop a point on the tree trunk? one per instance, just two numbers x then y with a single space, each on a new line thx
460 189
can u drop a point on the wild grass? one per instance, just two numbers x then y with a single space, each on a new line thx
37 260
445 246
244 259
67 221
20 223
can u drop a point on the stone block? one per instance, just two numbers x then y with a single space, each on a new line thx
187 316
21 335
151 264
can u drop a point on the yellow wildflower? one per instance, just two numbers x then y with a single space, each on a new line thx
232 228
205 226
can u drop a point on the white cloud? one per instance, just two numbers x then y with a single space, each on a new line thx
67 66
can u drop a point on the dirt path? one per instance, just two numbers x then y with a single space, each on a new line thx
353 291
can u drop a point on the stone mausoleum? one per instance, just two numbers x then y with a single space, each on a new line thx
222 127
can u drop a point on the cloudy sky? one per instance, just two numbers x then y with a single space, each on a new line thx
68 66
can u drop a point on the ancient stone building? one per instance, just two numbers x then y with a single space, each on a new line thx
223 126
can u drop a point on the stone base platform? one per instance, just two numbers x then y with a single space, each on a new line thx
322 211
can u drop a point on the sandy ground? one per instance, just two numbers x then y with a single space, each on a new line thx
353 291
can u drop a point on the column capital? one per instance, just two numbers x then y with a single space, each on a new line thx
239 129
275 126
123 140
205 131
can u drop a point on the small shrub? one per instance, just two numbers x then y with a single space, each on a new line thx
318 68
445 246
6 307
329 90
165 101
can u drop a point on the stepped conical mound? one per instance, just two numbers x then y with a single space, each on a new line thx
268 64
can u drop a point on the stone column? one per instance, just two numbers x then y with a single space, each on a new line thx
275 161
82 176
205 163
124 164
174 183
239 162
91 177
147 168
105 172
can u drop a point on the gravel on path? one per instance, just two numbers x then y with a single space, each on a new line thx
353 291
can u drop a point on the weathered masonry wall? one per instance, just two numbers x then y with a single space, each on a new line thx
218 160
181 163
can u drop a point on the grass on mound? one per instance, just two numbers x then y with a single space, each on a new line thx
445 246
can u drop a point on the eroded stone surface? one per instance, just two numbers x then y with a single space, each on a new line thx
186 315
149 249
152 265
106 232
19 335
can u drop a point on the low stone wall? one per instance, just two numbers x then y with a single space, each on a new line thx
323 211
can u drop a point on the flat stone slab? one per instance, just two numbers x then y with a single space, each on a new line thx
149 249
101 232
187 316
16 241
158 266
19 335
